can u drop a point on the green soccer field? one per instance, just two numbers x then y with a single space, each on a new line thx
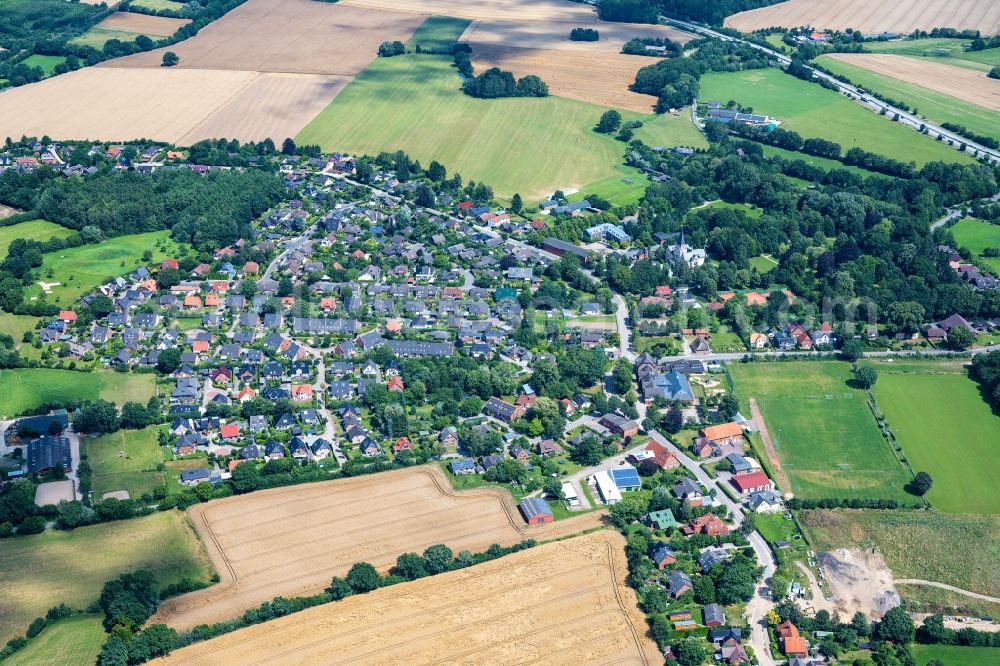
25 389
976 236
946 430
531 146
936 107
815 112
135 471
823 432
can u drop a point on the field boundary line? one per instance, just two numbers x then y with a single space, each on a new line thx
780 476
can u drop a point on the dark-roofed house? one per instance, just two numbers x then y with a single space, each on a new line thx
678 583
462 467
503 411
535 510
663 555
47 452
713 615
561 247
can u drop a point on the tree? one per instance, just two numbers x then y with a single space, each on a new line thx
516 204
673 420
866 376
553 488
932 630
735 582
246 477
852 351
896 626
339 588
390 49
288 147
129 600
169 360
960 338
134 416
689 652
994 73
630 509
621 377
437 558
114 652
436 172
410 566
362 577
170 59
921 483
728 406
610 122
153 641
96 417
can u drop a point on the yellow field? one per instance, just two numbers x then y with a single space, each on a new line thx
143 24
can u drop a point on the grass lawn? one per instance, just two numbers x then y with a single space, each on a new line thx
15 325
37 230
960 550
775 40
935 106
815 112
41 571
667 130
46 62
751 211
627 186
763 263
531 146
821 162
822 429
159 4
75 641
941 49
136 472
956 655
438 32
98 37
25 389
925 411
976 236
79 270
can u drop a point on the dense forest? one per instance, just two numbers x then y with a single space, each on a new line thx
844 238
646 11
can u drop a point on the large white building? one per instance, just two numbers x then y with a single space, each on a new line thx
606 487
681 251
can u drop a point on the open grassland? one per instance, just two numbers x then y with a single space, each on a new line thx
291 541
976 236
560 603
822 429
98 37
46 62
159 4
511 10
135 471
143 24
42 571
959 550
815 112
527 145
16 325
870 16
438 32
821 162
946 430
667 130
956 655
942 93
287 36
627 186
25 389
927 599
79 270
940 49
554 36
37 230
75 641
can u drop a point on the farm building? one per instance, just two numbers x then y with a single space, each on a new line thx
626 478
535 510
606 487
570 494
459 467
752 482
45 453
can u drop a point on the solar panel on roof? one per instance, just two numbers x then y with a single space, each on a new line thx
626 477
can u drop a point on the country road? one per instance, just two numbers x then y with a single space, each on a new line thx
944 586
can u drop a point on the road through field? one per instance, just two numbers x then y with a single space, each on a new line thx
291 541
561 603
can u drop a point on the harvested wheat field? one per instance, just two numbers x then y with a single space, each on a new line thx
554 35
560 603
154 26
964 84
291 541
870 16
503 10
598 78
296 36
167 104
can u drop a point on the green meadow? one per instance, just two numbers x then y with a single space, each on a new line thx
956 655
75 641
438 32
46 62
38 230
935 106
26 389
126 460
976 236
98 37
940 49
815 112
823 431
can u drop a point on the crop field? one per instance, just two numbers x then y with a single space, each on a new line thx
75 641
98 37
25 389
438 32
158 4
498 141
38 230
815 112
292 540
925 408
143 24
870 16
43 570
941 49
554 36
287 36
135 471
976 236
954 549
73 272
955 655
500 10
560 603
823 432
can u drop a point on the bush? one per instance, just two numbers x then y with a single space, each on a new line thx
584 35
390 49
32 525
495 83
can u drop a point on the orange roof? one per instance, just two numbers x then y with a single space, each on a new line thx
753 298
302 389
230 430
723 431
794 645
328 303
199 346
787 629
394 326
192 301
725 296
251 267
220 285
395 383
287 301
212 300
67 315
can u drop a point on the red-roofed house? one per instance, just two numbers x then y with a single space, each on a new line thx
230 431
395 383
751 482
67 316
302 392
402 444
169 263
250 268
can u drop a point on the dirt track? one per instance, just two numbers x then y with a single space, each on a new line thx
870 16
561 603
784 483
291 541
964 84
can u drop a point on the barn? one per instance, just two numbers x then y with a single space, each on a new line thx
626 478
535 510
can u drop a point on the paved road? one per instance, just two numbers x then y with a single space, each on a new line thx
905 118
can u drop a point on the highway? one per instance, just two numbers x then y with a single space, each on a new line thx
906 118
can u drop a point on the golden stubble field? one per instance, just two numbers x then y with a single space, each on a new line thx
560 603
554 35
965 84
292 541
871 16
510 10
158 26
